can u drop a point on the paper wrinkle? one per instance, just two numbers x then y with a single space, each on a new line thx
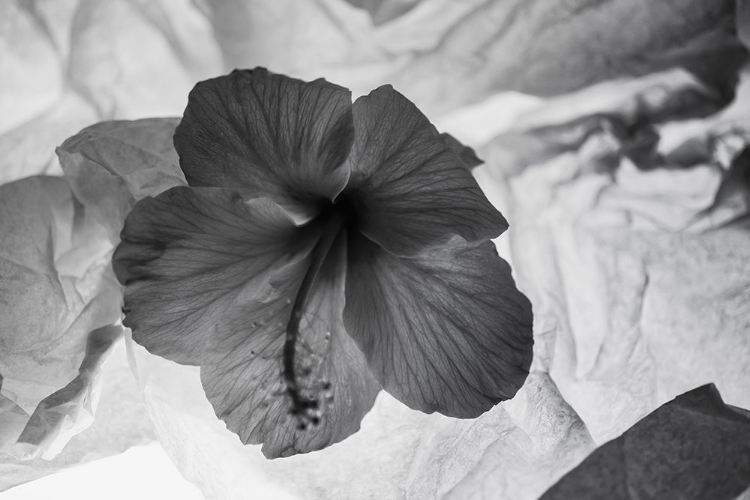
62 414
29 63
398 453
624 99
93 61
12 418
636 266
121 422
68 63
70 410
112 165
549 439
54 259
68 273
90 63
29 149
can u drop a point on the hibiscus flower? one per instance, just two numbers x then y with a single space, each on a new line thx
323 250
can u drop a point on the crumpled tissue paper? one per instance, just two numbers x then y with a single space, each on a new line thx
631 238
55 259
626 225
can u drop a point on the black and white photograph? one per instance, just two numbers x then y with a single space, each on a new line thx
375 249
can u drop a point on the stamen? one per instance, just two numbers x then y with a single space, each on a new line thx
306 409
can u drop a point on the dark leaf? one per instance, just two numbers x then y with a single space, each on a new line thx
693 448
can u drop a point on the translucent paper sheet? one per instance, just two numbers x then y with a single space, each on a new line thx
634 255
57 326
398 453
70 63
120 421
56 289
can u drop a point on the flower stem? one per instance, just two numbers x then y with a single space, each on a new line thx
305 409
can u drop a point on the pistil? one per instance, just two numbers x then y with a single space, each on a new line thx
304 408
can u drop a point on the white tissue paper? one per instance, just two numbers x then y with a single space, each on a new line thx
398 452
628 228
633 252
58 295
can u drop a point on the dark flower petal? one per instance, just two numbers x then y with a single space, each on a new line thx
445 330
467 155
188 253
268 135
412 191
241 366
